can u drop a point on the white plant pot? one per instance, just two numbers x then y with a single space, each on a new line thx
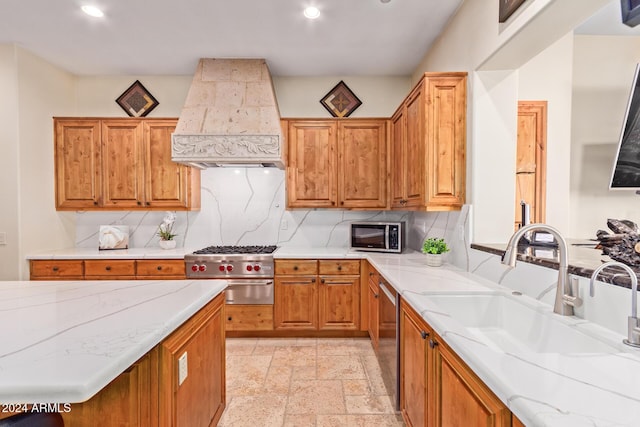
167 244
435 260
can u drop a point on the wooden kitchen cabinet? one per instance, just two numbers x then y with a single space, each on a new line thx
249 317
337 163
56 269
120 164
107 269
317 295
436 387
192 370
428 145
373 288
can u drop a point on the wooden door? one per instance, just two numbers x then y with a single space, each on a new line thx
311 173
460 398
413 367
295 304
445 138
414 154
122 162
165 181
339 303
362 164
374 297
398 152
531 160
77 164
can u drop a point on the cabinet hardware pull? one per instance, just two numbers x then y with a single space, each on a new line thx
229 318
376 296
339 268
138 202
55 269
108 268
432 343
321 280
95 203
313 280
159 267
371 274
295 268
424 335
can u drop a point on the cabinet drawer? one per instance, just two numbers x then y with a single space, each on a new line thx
249 317
160 268
339 267
296 266
51 269
110 268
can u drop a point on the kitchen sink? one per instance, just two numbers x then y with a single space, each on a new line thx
507 323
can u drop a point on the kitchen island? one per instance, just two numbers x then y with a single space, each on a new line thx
136 352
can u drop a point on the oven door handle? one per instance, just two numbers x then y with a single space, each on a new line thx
241 282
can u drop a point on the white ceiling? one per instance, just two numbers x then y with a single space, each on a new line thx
608 21
167 37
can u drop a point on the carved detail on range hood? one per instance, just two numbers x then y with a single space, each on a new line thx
230 117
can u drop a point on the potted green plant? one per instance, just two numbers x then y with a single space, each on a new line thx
434 248
165 231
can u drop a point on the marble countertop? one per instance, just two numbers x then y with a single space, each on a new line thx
541 389
63 341
94 253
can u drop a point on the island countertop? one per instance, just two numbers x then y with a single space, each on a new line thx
63 341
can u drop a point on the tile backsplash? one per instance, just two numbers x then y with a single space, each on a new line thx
246 206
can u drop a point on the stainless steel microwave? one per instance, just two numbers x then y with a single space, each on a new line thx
378 236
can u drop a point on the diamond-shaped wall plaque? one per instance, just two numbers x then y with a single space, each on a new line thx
340 101
136 101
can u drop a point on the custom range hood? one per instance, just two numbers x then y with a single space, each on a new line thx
230 117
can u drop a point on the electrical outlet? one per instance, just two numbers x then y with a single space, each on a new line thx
182 368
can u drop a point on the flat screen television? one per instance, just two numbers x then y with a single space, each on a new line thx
626 169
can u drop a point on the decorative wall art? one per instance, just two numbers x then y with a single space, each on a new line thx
340 101
137 101
507 7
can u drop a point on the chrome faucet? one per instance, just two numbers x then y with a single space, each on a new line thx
566 296
633 326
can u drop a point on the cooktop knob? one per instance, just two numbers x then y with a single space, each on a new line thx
194 267
256 267
249 268
221 268
229 267
202 268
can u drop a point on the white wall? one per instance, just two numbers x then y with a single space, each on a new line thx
602 78
548 77
9 186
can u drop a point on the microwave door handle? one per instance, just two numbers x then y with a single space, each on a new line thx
386 236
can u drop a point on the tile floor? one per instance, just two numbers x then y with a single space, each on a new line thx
300 382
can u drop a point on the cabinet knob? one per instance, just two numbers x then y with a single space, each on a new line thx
108 268
295 268
95 203
55 268
138 202
342 202
371 274
159 268
148 203
321 280
313 280
432 343
229 318
424 335
339 268
376 296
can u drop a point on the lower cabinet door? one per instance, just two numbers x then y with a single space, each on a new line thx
413 368
295 303
461 399
339 302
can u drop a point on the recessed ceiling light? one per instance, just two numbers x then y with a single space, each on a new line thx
312 12
93 11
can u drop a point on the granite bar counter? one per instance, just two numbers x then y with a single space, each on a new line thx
63 341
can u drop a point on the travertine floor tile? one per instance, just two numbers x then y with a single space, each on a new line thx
316 397
300 382
263 410
340 367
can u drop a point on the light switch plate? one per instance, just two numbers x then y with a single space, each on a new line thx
182 368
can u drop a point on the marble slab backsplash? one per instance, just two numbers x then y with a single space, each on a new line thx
246 206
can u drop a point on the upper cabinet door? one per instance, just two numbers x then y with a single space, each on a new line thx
165 181
415 148
122 161
311 173
398 161
77 164
362 164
